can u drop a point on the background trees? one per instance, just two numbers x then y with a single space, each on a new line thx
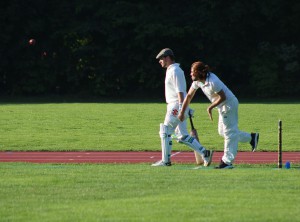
108 48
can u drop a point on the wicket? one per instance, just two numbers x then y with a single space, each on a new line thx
280 144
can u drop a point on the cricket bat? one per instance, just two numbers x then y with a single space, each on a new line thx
194 134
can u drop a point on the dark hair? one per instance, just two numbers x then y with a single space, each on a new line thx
172 57
201 68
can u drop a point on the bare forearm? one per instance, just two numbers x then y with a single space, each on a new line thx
217 102
221 98
186 102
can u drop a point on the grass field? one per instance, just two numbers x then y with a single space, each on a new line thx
132 126
138 192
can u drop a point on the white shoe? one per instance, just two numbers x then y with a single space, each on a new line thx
161 163
208 154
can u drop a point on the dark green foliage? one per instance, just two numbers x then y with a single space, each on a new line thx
108 48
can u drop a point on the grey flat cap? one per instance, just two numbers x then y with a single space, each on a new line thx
165 52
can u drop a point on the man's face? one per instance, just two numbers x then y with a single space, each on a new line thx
194 74
163 62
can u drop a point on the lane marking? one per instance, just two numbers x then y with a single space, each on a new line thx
175 154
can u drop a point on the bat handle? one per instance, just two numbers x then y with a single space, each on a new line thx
191 121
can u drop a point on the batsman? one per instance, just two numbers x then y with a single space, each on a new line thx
175 92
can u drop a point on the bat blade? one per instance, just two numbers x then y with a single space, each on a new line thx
194 134
198 158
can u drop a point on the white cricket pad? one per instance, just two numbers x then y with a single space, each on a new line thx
166 143
193 143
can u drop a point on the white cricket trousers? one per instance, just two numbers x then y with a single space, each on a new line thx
174 124
228 128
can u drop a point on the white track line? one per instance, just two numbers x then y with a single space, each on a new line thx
175 154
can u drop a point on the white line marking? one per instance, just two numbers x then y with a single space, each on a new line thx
196 168
175 154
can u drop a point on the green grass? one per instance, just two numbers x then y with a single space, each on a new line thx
132 126
139 192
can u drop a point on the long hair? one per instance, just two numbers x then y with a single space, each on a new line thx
202 69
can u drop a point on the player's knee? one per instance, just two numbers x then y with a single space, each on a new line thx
221 131
173 122
163 131
230 134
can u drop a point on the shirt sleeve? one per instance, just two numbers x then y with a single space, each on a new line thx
216 85
194 85
179 81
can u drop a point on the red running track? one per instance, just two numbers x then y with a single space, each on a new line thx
139 157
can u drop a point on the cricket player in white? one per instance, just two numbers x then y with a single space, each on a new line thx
175 92
227 104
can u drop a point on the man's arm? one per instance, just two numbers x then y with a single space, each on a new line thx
221 98
186 103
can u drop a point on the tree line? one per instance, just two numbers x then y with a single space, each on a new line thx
108 48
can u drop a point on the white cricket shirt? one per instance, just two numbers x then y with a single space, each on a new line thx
174 83
212 86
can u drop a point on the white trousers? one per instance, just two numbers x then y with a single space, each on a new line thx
228 128
173 123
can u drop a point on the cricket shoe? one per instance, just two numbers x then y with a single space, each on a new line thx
254 141
208 154
161 164
224 166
